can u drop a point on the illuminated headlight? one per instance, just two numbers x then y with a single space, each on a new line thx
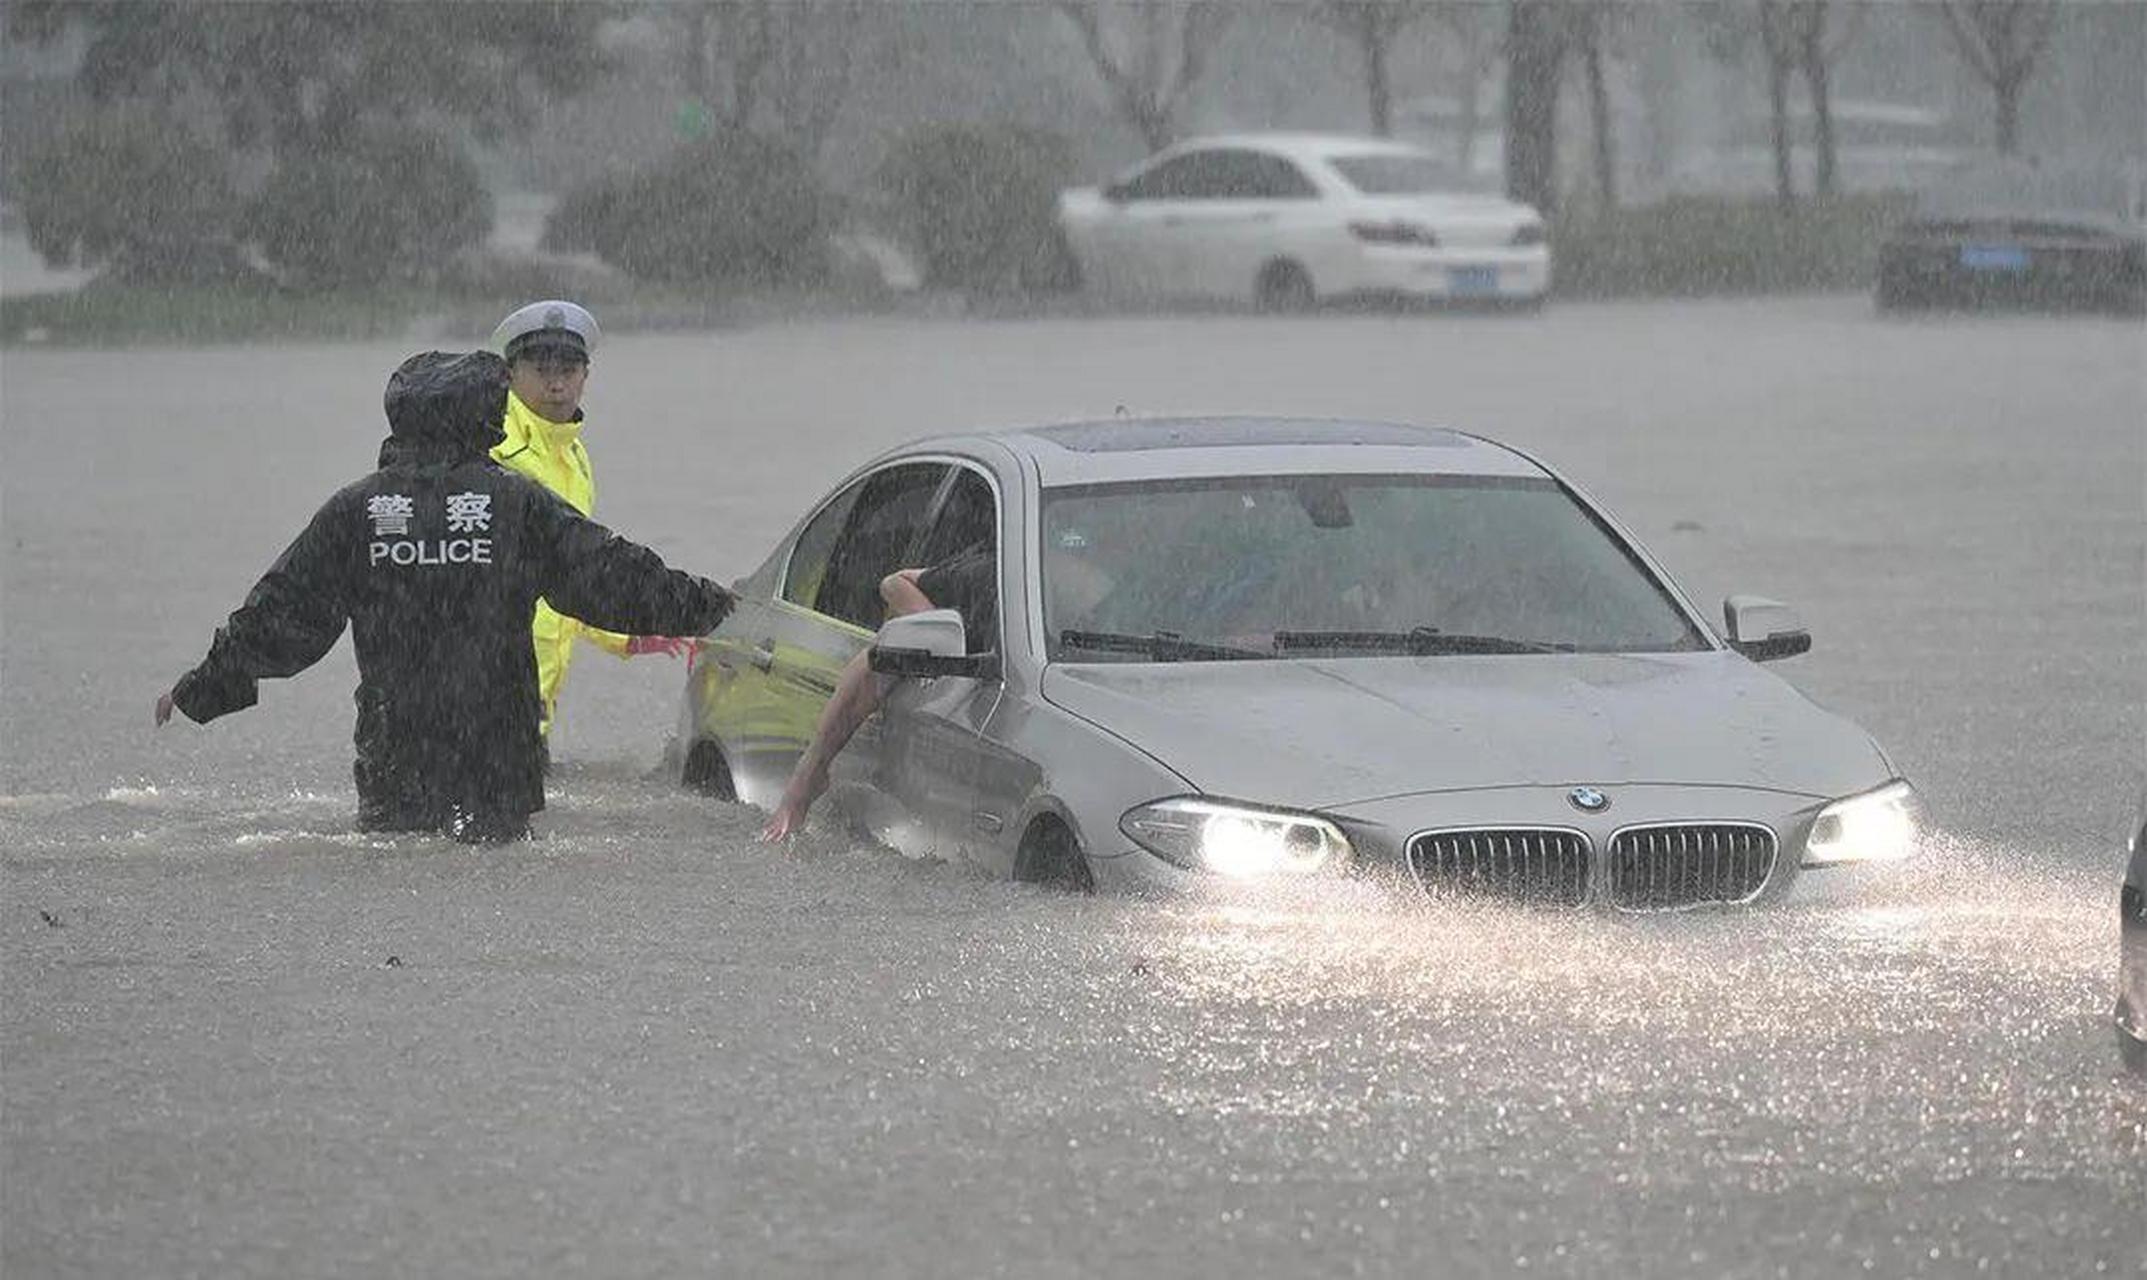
1235 840
1873 827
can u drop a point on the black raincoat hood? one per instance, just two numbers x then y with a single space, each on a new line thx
444 406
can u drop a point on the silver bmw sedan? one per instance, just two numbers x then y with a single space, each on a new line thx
1229 649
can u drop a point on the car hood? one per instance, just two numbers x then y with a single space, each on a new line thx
1323 733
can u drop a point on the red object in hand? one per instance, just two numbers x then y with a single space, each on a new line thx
638 645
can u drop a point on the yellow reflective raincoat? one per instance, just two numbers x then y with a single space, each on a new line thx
551 454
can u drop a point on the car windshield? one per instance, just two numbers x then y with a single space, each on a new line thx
1402 174
1329 565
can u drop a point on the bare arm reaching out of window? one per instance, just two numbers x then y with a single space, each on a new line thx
857 695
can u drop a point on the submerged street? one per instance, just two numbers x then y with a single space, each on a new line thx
239 1038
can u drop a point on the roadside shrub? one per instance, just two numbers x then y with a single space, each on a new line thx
128 189
1701 245
733 209
390 204
979 203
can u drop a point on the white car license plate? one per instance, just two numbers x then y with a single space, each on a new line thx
1471 282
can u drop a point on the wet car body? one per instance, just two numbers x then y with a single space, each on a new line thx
2132 961
2013 235
1667 773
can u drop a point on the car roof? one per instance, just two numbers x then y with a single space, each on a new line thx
1302 144
1114 450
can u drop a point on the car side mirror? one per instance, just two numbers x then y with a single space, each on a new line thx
931 643
1117 193
1762 629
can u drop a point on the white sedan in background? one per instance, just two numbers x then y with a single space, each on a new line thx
1287 220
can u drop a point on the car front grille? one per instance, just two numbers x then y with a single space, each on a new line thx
1543 865
1679 865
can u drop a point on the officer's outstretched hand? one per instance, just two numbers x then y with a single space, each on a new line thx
672 645
163 708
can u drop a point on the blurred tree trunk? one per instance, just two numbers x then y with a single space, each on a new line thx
746 38
1379 104
1535 57
1477 44
1779 47
1588 29
764 63
1606 165
1818 48
2001 40
1796 38
697 52
726 44
816 55
1813 56
1373 26
1147 84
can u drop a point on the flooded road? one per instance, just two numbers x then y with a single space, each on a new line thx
240 1039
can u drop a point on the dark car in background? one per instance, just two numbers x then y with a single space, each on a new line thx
2019 234
2132 962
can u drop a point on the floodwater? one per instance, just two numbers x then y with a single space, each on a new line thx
241 1039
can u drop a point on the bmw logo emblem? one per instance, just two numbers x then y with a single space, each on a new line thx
1588 799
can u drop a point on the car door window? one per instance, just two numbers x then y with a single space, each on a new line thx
1255 175
965 516
809 555
1178 178
960 557
1281 179
879 536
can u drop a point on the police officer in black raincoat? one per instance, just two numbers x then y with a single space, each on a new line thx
437 560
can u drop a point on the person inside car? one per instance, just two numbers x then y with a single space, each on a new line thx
966 581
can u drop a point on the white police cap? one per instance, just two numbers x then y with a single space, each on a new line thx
557 318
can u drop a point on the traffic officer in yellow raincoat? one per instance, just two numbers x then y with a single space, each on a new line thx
547 346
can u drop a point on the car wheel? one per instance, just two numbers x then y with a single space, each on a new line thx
708 772
1050 854
1283 286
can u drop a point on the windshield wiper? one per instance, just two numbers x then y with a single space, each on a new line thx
1417 642
1163 646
